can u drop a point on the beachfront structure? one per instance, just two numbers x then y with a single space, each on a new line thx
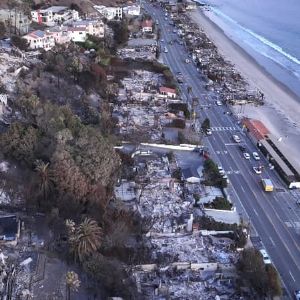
256 129
110 13
272 148
16 20
54 15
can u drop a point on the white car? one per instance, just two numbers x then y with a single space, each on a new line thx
246 155
265 256
161 40
208 131
236 138
297 295
219 103
226 178
221 171
166 50
257 170
256 156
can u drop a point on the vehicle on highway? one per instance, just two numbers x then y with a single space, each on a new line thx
208 131
225 177
297 294
174 31
166 50
257 170
179 79
246 155
156 22
187 61
271 167
267 185
166 14
255 156
236 138
265 256
221 171
242 148
219 103
161 40
166 19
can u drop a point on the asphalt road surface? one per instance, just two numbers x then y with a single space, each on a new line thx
274 215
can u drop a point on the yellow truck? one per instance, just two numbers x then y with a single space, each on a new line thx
267 185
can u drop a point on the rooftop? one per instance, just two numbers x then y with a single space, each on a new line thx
256 127
164 89
147 23
55 9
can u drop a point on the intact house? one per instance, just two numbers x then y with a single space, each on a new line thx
166 92
54 15
110 13
77 32
132 10
147 26
91 27
40 40
9 229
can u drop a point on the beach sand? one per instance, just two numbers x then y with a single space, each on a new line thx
281 112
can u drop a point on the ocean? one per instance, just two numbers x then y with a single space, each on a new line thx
269 30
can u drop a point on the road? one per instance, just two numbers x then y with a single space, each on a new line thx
272 215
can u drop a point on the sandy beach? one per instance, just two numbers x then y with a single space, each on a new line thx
281 111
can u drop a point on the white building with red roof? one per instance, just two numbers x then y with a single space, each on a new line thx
147 26
167 92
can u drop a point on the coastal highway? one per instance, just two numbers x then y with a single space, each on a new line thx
272 215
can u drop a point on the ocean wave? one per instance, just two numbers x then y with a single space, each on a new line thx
258 37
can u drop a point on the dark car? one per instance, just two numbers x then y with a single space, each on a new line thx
242 148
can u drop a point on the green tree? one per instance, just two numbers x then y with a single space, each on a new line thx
120 30
19 42
20 142
205 125
60 67
274 284
45 178
2 30
85 239
252 268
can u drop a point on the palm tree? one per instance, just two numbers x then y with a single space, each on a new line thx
45 178
86 239
72 283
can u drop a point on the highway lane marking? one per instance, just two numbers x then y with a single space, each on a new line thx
272 241
254 210
292 276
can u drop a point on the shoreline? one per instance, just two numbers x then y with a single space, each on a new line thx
281 109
